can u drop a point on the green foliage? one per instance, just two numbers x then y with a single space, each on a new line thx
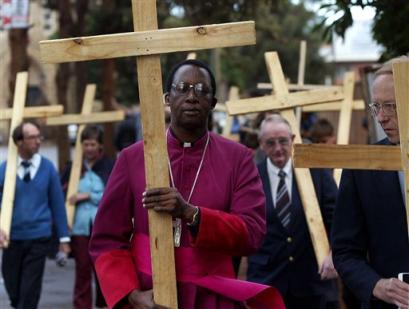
390 28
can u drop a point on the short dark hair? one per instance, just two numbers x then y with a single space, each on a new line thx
18 134
321 129
193 62
93 132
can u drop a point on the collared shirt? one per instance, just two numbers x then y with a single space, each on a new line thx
273 171
35 165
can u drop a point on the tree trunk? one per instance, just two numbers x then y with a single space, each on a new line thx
108 90
18 41
62 82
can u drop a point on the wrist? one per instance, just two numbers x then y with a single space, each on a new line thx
194 217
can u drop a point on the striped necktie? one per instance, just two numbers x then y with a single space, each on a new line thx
26 165
283 202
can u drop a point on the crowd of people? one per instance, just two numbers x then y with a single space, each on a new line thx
223 206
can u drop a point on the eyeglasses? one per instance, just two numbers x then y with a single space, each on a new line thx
34 137
283 141
388 108
183 88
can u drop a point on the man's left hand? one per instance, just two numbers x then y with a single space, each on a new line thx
168 200
327 270
65 247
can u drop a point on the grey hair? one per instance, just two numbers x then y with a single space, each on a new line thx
386 68
275 119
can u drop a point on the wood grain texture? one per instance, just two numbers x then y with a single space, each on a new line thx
303 176
156 157
75 173
9 187
148 42
345 115
284 101
333 106
100 117
34 112
401 81
233 95
365 157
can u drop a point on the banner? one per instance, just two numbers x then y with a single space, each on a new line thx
14 14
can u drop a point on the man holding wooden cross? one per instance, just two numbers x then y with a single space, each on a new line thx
216 200
370 233
286 259
38 205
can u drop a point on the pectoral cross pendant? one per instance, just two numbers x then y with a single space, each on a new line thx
177 231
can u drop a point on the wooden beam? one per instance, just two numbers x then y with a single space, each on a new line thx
233 95
9 187
268 86
148 42
303 177
333 106
34 112
101 117
155 148
288 101
301 76
401 82
365 157
344 123
75 173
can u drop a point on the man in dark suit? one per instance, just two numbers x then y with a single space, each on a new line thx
370 233
286 259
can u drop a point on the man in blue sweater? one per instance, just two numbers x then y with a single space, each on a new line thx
38 205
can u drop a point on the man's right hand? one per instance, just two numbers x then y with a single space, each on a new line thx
143 300
392 291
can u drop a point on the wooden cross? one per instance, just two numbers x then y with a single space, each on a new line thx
34 112
9 187
147 43
345 107
367 156
285 101
17 114
85 117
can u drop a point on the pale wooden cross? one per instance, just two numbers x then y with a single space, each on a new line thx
286 102
9 187
86 116
371 157
17 114
345 107
147 43
221 107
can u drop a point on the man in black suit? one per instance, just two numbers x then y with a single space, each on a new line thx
370 233
286 259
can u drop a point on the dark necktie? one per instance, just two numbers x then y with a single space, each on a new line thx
283 201
26 165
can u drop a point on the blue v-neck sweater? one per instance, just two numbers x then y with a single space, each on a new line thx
37 204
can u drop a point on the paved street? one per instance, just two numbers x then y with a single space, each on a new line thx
58 284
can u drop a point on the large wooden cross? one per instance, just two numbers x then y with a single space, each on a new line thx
147 43
16 114
286 102
367 156
86 116
9 187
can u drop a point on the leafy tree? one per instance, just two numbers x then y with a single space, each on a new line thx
390 27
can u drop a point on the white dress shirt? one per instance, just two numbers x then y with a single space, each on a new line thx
35 165
273 171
